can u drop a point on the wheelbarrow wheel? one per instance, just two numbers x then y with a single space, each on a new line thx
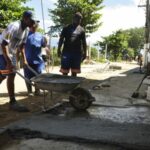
81 99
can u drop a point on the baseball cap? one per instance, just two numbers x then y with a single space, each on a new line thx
28 14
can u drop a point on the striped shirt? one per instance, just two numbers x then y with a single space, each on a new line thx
14 36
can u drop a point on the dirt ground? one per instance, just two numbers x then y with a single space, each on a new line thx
94 73
35 105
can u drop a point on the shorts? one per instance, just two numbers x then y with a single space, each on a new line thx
39 68
3 71
70 61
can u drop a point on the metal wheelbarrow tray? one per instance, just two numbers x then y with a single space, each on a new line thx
80 98
55 82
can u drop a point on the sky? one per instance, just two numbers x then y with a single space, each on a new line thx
117 14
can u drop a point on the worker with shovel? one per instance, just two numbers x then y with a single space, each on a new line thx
13 38
33 52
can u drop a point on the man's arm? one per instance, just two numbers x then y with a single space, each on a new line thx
60 43
22 50
84 44
6 55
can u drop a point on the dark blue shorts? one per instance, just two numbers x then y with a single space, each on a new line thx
39 68
3 67
70 60
2 62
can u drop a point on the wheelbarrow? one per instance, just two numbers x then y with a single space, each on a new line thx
79 98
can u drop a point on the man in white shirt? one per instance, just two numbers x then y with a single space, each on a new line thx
13 38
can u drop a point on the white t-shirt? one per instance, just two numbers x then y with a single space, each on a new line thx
14 36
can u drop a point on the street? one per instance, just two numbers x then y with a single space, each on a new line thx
115 121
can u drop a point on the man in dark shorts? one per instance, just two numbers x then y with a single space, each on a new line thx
74 49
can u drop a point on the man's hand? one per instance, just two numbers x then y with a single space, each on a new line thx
9 66
25 64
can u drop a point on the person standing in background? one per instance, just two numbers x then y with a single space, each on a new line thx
74 50
46 54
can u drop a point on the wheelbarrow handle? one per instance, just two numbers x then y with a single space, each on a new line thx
32 70
26 79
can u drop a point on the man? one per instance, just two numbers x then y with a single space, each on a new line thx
140 59
46 54
12 39
33 51
74 50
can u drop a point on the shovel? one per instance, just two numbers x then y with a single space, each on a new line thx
136 93
26 79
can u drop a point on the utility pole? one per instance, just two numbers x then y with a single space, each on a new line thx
147 31
147 24
147 36
43 15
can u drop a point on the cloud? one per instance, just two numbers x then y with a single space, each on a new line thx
137 2
47 23
50 2
119 17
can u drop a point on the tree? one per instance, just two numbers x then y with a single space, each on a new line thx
136 40
90 9
133 39
116 42
11 10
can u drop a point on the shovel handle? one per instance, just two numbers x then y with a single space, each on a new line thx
32 70
26 79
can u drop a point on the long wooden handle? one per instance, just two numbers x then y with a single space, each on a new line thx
26 79
32 70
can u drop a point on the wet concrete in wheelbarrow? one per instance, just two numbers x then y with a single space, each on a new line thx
128 126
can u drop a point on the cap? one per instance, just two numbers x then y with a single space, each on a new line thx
27 13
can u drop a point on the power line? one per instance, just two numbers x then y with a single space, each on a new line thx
43 15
